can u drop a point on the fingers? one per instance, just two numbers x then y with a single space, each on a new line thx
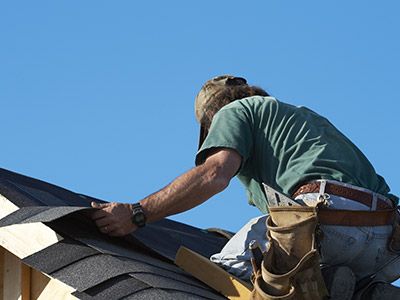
121 231
99 214
102 222
113 219
108 228
99 205
116 229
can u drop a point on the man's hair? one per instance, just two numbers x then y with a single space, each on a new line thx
218 98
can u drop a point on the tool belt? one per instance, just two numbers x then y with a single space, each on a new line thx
290 267
381 213
338 217
363 197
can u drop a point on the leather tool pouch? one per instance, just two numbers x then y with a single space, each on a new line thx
290 268
394 241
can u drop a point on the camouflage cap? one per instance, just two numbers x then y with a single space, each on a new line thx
205 97
206 103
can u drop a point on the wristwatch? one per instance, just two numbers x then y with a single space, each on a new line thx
138 216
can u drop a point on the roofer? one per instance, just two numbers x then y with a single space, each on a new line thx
247 133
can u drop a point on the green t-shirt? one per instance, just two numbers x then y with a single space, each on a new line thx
283 145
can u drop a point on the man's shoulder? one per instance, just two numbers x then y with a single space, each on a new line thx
252 103
256 100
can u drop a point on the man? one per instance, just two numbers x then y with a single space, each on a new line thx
247 133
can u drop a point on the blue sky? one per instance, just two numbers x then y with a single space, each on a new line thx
97 96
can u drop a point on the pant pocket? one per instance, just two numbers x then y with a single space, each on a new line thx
341 244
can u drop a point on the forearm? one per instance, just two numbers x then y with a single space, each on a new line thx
185 192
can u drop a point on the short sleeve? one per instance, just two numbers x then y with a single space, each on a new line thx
231 128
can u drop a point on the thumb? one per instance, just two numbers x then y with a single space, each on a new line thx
97 205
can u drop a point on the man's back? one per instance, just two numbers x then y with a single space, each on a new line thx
284 146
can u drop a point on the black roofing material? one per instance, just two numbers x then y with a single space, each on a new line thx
114 288
94 270
32 214
185 278
166 236
165 283
49 260
20 189
19 198
126 287
59 255
158 294
102 267
40 195
87 233
163 237
22 214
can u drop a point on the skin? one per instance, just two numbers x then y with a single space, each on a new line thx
185 192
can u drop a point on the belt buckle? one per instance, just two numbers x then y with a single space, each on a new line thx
323 199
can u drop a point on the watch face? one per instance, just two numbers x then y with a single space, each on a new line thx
139 218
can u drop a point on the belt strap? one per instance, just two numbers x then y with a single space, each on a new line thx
356 217
365 198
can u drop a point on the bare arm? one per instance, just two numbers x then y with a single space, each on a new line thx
185 192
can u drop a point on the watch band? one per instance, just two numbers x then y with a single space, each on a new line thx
138 215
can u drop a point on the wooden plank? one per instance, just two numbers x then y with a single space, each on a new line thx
38 283
25 282
46 288
6 207
12 277
24 239
212 275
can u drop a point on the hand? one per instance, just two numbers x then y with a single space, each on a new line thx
113 219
